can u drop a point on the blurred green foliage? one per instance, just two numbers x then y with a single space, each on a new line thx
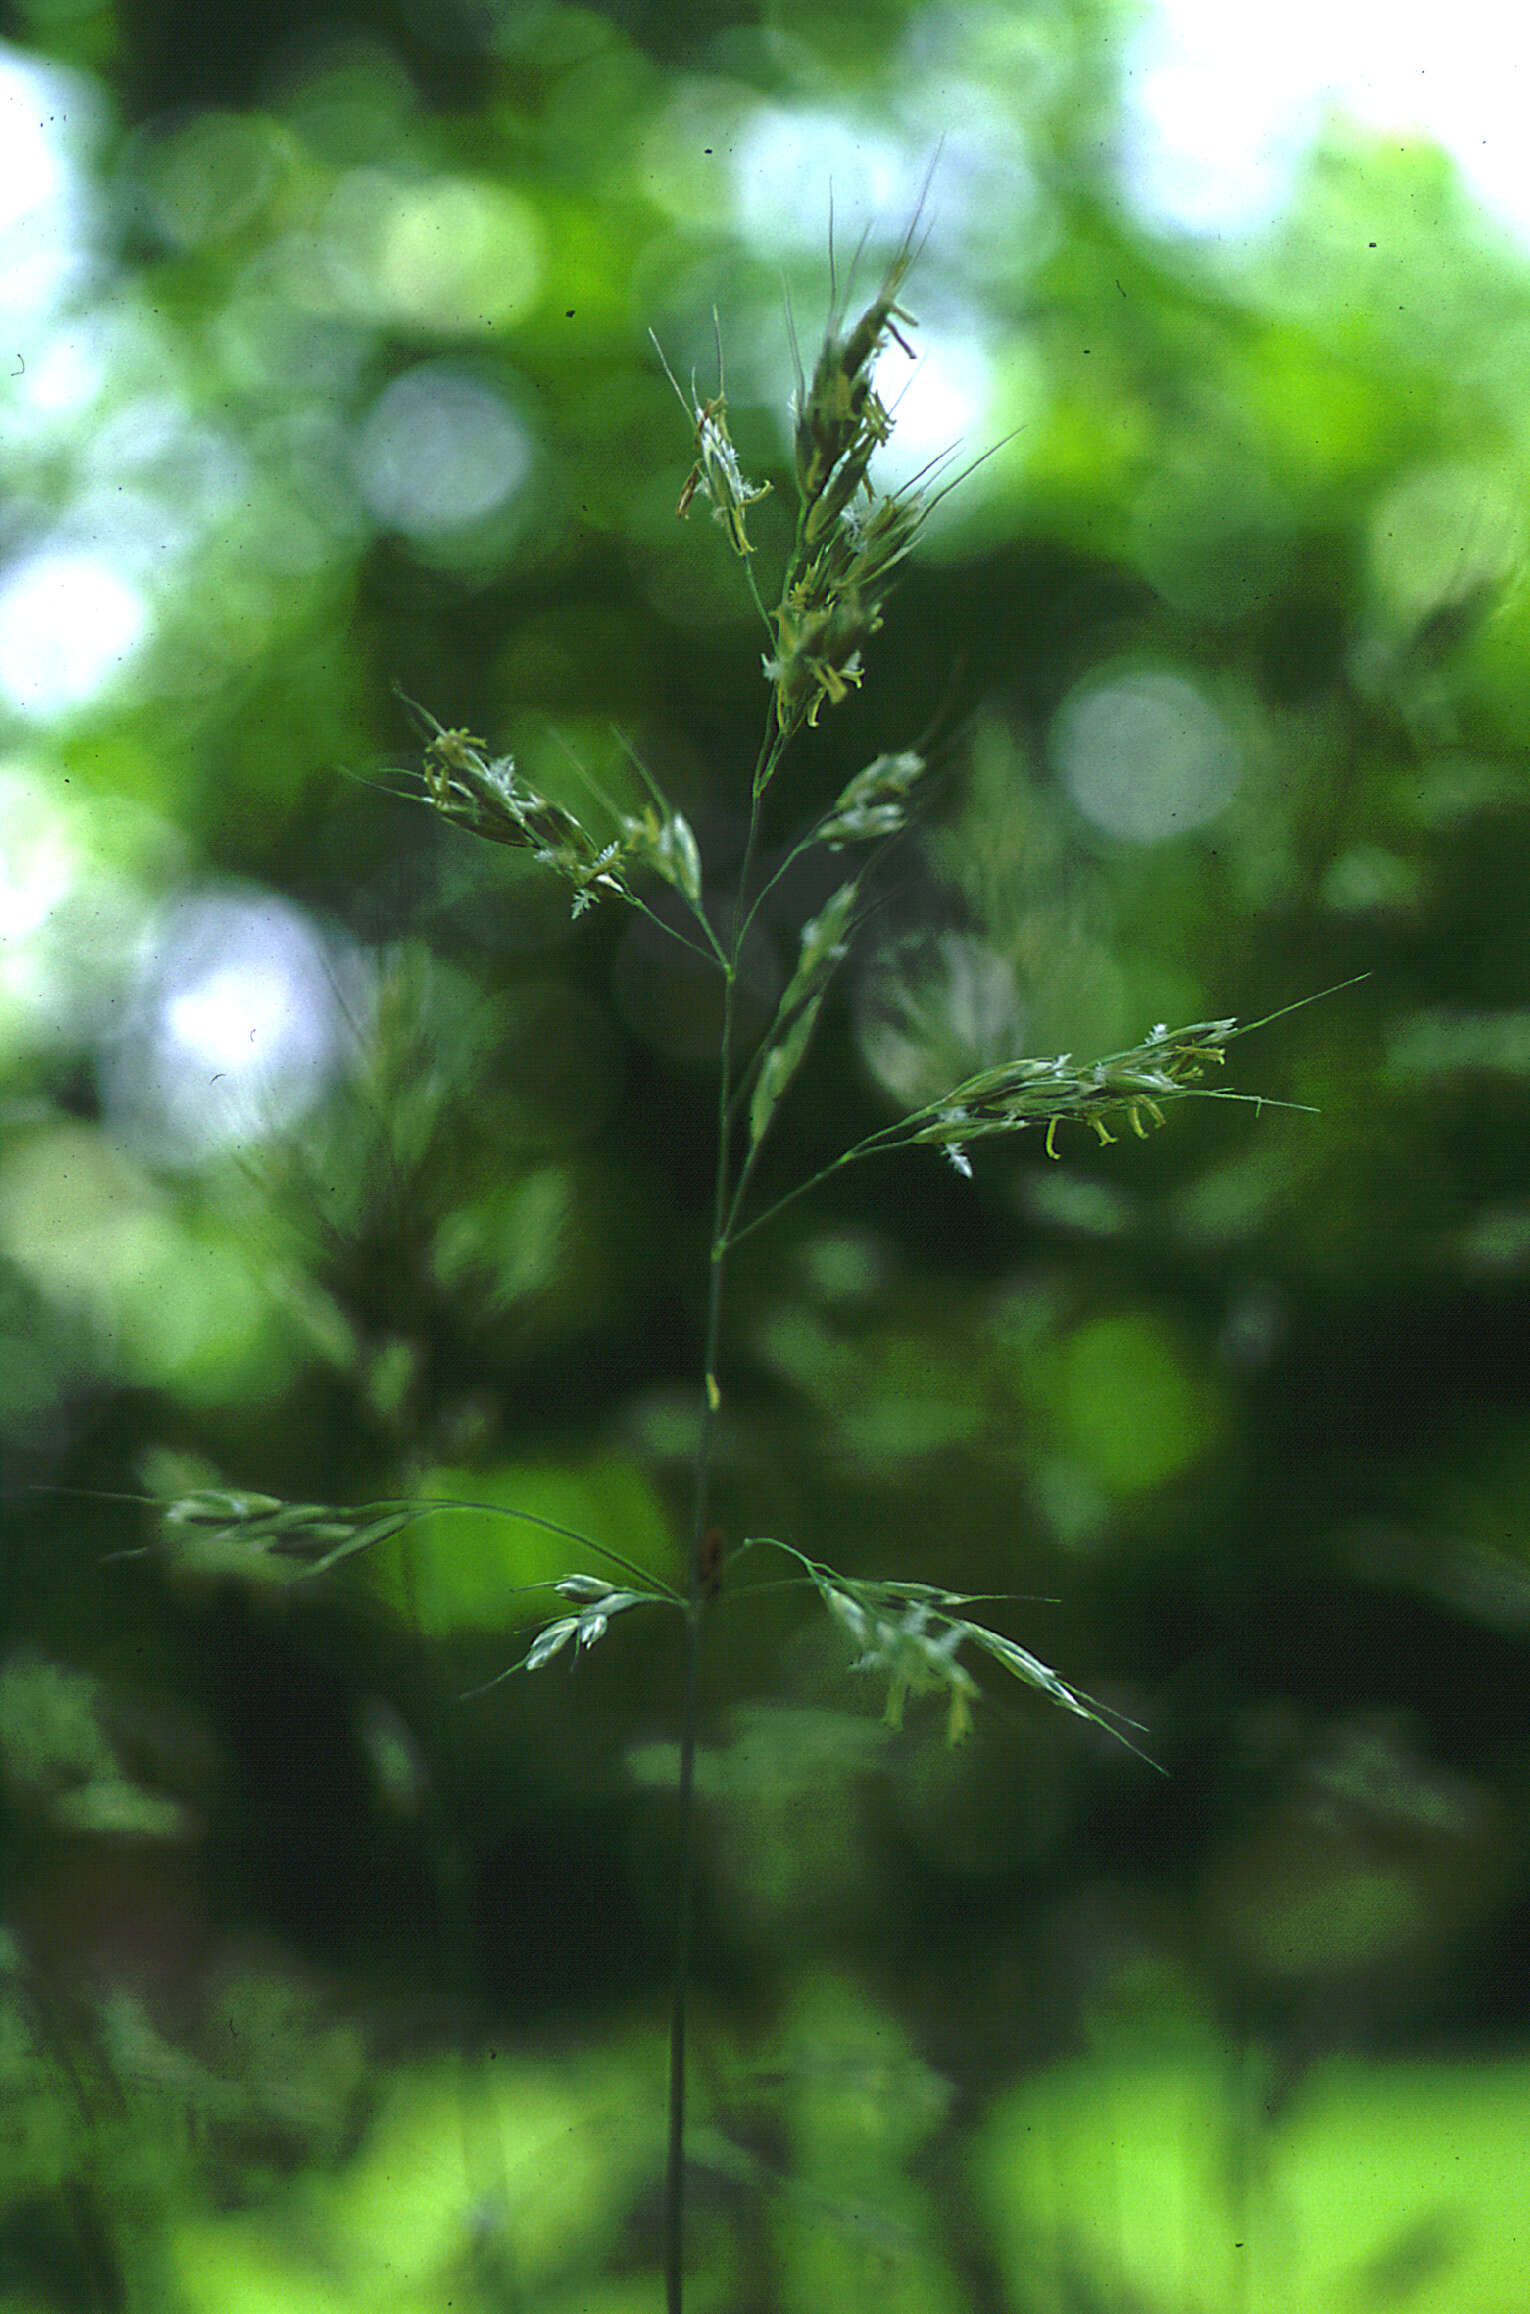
337 1163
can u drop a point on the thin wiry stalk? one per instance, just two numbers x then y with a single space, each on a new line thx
723 1203
1053 1096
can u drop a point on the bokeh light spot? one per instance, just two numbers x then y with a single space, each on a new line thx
1144 754
68 623
439 452
238 1024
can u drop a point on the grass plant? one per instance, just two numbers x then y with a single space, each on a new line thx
821 618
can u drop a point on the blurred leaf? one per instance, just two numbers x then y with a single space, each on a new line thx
1388 2184
503 1536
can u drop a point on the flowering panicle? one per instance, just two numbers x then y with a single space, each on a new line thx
1128 1086
231 1530
487 796
1125 1086
832 604
849 538
912 1634
899 1637
718 476
597 1601
825 944
663 840
840 419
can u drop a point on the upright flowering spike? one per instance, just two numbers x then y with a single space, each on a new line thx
840 420
716 473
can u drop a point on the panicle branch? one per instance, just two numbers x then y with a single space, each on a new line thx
912 1634
1123 1087
849 535
488 797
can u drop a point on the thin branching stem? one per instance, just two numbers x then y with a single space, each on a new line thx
712 952
723 1206
614 1558
866 1148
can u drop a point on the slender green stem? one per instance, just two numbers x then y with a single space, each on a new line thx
867 1148
674 2182
803 844
713 951
723 1205
759 600
614 1558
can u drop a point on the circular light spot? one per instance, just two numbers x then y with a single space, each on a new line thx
67 623
1441 535
1134 1414
238 1026
209 177
439 452
1145 755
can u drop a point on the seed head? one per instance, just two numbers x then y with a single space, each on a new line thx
875 804
716 473
840 420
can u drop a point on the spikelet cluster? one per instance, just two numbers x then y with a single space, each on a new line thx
850 536
1124 1088
488 796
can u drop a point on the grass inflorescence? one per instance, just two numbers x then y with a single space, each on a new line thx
848 540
